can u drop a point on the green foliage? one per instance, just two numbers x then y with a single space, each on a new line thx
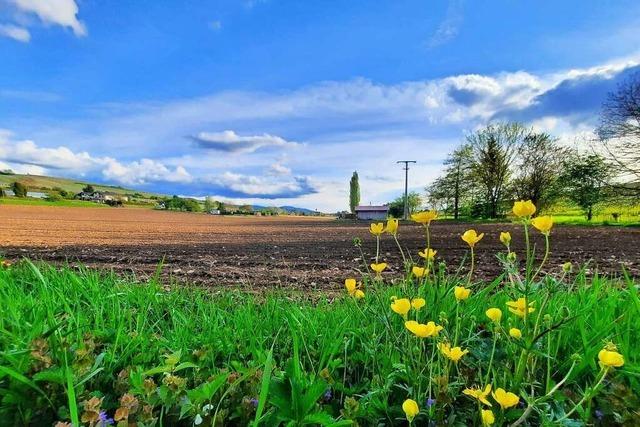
584 180
88 189
396 208
180 204
354 192
19 189
188 354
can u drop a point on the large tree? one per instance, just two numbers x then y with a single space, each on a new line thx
619 132
538 166
19 189
494 149
396 208
585 180
354 192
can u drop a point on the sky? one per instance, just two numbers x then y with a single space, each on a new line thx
277 102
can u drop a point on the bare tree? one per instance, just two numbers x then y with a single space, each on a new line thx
619 131
539 162
494 149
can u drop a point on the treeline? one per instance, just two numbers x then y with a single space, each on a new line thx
506 161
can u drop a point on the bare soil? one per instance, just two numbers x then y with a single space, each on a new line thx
256 252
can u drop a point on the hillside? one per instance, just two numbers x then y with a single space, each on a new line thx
38 183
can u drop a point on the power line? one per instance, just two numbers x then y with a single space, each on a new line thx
406 186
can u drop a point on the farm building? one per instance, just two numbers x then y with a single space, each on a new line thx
102 197
372 212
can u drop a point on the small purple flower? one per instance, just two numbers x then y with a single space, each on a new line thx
599 414
104 419
254 402
430 402
326 397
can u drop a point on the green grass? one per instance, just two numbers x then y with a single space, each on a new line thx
186 354
27 201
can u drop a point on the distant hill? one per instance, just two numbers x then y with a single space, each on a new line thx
287 209
44 183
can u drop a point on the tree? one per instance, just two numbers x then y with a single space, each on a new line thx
494 149
619 132
19 189
2 193
354 192
450 190
209 204
539 163
585 180
89 189
396 208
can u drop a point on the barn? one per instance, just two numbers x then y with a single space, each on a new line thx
372 212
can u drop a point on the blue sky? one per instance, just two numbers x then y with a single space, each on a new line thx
278 102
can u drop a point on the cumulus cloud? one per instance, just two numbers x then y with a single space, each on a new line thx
230 142
56 12
17 33
239 185
27 157
278 169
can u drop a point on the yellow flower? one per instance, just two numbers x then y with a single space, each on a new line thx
418 303
543 224
487 417
419 271
461 293
518 307
505 399
610 359
410 408
494 314
421 330
379 268
471 237
515 333
352 288
401 306
424 217
392 226
428 254
524 209
479 394
567 267
505 238
454 353
376 228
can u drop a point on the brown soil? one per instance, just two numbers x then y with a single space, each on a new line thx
290 252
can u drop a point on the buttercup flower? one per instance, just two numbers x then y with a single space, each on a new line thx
515 333
487 417
378 268
401 306
472 237
461 293
511 256
567 267
518 307
428 254
424 217
410 408
392 226
494 314
419 271
421 330
479 394
376 228
505 399
352 288
524 209
610 359
454 353
418 303
543 224
505 238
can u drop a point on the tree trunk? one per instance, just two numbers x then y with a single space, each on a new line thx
590 214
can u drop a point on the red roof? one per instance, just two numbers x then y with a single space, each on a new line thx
372 208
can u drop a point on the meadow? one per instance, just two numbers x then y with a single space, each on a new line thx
538 344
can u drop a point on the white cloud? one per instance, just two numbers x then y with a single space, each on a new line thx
57 12
279 169
230 142
449 27
143 172
17 33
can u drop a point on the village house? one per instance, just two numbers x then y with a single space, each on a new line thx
372 212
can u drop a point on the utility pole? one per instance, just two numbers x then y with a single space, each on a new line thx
406 186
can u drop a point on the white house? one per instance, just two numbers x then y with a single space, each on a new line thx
372 212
